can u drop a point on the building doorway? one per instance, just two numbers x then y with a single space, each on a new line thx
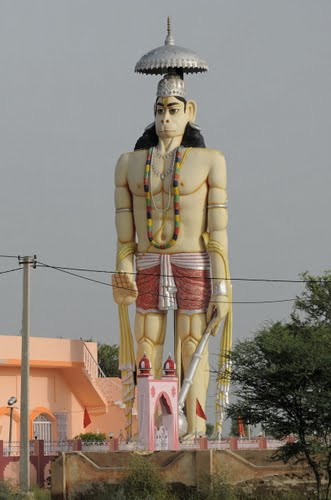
42 428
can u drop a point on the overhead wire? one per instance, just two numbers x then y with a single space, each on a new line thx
142 273
11 270
69 271
65 271
41 264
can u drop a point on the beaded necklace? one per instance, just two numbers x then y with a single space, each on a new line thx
175 191
170 170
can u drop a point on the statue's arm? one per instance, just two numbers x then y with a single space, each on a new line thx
217 227
124 286
124 212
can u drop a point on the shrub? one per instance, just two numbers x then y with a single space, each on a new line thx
7 490
10 492
95 437
41 493
144 481
97 490
216 487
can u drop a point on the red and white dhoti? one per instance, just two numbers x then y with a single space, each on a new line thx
173 281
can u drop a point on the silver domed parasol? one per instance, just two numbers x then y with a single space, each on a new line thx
169 56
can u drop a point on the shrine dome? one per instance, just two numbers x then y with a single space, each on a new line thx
144 366
169 367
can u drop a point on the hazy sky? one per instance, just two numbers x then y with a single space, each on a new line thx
70 104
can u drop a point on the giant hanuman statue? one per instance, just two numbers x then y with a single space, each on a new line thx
171 220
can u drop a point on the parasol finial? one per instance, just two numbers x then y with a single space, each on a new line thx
170 39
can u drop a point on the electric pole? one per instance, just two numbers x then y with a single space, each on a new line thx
25 374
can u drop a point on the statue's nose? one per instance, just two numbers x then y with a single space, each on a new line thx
166 117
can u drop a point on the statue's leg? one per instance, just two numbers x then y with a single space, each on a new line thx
150 330
190 330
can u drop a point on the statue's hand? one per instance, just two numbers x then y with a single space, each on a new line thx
219 304
124 289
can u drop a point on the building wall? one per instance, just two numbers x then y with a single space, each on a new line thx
48 351
48 390
61 387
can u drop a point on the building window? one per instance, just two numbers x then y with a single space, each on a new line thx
62 426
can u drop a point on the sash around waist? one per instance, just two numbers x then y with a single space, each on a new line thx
199 260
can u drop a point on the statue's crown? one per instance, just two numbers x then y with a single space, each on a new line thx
171 85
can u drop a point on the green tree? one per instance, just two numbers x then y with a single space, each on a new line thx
314 304
282 380
209 429
108 359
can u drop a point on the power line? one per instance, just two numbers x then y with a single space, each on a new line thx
142 273
11 270
41 264
253 301
86 270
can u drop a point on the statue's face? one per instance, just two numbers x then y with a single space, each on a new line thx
170 117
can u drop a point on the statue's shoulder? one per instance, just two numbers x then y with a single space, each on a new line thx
126 158
208 152
214 153
212 157
214 161
127 165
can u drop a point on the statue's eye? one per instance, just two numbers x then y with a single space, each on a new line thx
173 111
160 111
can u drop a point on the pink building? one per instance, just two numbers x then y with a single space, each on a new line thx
64 380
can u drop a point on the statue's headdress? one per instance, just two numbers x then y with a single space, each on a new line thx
171 61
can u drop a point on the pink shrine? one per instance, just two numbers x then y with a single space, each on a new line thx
158 407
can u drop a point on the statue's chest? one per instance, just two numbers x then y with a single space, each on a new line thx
191 177
191 180
136 175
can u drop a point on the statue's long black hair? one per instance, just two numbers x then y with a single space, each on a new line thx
192 137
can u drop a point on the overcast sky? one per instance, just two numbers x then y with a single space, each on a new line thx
70 104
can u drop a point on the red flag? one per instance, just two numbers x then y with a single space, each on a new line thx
241 428
199 410
86 420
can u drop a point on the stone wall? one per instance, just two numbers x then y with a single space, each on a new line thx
185 467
